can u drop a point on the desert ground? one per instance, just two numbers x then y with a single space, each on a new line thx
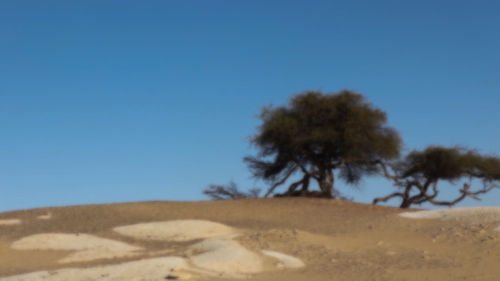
294 239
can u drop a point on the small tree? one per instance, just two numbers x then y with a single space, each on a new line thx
317 134
230 191
418 174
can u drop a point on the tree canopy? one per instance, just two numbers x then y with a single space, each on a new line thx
418 174
318 133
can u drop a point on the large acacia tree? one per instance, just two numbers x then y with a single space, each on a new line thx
318 133
418 174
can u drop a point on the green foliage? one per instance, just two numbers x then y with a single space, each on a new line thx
420 171
449 164
318 133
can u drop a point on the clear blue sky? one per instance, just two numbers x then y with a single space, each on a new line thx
109 101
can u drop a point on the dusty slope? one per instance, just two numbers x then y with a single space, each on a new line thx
336 240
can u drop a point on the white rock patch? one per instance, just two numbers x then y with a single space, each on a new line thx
218 255
10 221
88 247
286 261
226 256
176 230
47 216
147 269
478 214
475 215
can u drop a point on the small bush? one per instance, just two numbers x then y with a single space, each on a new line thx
229 191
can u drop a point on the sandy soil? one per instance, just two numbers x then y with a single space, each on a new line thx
335 240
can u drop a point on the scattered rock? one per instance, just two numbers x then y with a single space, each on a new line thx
286 261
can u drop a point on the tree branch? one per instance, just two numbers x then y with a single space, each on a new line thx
291 189
385 171
282 181
465 192
387 198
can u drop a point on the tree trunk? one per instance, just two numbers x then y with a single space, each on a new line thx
325 182
405 204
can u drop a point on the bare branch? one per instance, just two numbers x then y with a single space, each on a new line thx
282 181
465 192
304 182
387 198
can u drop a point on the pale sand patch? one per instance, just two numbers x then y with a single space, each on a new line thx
477 214
176 230
10 221
474 215
47 216
88 247
226 256
286 261
147 269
